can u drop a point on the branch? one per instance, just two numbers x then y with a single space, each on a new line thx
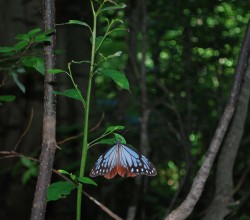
25 131
187 206
11 154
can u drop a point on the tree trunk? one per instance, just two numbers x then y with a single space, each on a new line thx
49 121
224 175
187 206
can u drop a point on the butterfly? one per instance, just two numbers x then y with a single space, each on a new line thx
122 160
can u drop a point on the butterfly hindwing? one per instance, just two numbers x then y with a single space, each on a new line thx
135 163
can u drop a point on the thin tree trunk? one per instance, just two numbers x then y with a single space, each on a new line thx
187 206
49 121
224 175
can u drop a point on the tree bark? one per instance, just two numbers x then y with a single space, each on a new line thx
49 120
187 206
224 175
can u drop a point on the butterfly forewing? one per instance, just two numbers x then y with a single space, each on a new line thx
105 163
135 162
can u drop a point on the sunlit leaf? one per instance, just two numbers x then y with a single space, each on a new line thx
63 172
117 54
120 137
59 190
111 129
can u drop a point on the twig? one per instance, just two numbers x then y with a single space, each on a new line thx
81 134
25 131
11 154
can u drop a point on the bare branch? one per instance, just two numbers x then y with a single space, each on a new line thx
25 131
187 206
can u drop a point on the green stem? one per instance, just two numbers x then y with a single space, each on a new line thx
86 122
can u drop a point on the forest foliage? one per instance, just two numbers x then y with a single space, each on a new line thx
190 59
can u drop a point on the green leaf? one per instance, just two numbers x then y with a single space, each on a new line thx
7 49
59 190
26 162
22 37
86 180
71 93
56 71
117 54
107 141
118 136
115 7
7 98
63 172
119 78
35 62
44 36
28 174
79 23
99 40
20 45
34 32
18 83
111 129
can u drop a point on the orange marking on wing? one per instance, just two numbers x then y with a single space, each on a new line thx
124 172
112 173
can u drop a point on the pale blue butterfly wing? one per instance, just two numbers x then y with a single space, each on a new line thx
121 159
105 163
135 162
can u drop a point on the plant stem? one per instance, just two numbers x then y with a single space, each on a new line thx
86 122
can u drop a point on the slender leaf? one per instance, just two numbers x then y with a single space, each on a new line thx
63 172
34 32
59 190
119 78
56 71
71 93
22 37
111 129
22 44
116 54
18 83
115 7
6 49
86 180
7 98
107 141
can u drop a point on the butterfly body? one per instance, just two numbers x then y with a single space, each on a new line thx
122 160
